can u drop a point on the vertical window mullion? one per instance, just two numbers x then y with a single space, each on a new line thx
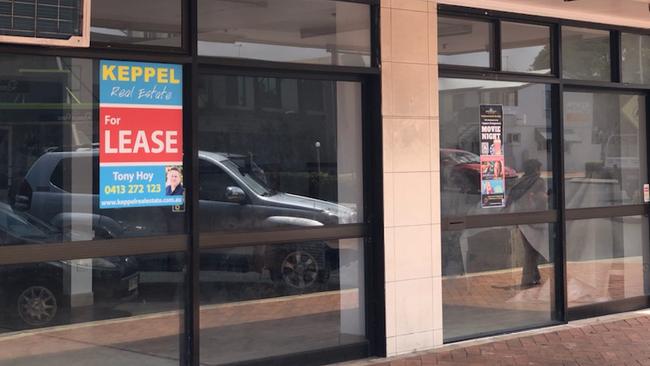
556 51
557 143
616 55
190 351
375 36
495 47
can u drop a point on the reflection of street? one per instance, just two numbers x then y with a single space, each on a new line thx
270 326
161 291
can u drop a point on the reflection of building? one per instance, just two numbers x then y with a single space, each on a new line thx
332 177
32 115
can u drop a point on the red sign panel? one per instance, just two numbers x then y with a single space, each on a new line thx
131 135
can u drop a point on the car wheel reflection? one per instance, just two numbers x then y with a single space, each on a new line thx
37 305
299 270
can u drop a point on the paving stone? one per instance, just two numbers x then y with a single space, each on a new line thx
599 343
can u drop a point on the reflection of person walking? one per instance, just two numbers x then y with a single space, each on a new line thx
529 194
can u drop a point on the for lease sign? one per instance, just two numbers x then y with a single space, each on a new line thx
141 134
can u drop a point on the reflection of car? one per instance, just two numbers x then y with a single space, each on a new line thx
233 195
33 294
461 170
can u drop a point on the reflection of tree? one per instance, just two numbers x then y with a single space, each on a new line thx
542 59
584 59
636 58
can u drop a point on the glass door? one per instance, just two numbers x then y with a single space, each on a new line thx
498 206
605 170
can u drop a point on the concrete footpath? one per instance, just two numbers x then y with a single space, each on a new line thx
620 339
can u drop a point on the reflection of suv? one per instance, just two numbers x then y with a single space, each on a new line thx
33 294
233 195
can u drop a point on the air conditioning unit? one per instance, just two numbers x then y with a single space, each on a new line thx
63 23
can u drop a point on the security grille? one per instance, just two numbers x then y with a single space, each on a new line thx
48 22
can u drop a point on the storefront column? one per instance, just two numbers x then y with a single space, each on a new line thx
411 175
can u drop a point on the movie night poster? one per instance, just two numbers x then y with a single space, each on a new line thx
141 134
493 182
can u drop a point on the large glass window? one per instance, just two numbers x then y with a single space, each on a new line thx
525 48
605 149
49 137
95 311
464 42
142 22
279 152
585 54
526 145
606 259
635 65
272 300
499 171
305 31
498 278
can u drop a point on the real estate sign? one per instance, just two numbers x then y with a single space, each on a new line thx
141 134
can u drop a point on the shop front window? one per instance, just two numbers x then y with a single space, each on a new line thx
286 158
94 310
586 54
142 23
276 299
495 160
464 42
526 130
305 31
606 259
635 58
533 172
497 278
525 48
278 161
604 159
49 134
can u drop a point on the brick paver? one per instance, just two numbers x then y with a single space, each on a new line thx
622 339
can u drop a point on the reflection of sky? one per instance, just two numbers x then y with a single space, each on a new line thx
480 59
281 53
513 59
520 59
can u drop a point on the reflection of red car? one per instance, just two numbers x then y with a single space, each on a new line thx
461 170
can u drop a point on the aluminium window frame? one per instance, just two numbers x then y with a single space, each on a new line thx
192 242
559 214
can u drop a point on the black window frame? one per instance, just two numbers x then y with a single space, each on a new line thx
559 215
192 242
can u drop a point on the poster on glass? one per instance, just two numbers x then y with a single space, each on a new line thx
493 185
